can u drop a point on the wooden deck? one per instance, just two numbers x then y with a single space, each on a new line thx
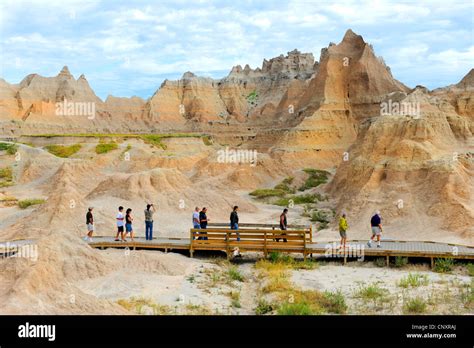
354 249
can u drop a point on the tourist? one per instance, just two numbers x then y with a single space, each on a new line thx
196 223
150 209
203 220
376 226
234 221
90 224
120 224
128 223
343 230
283 224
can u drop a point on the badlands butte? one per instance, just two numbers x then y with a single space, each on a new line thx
340 132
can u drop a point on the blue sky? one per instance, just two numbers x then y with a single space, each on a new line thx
127 48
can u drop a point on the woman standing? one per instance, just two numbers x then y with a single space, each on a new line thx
128 223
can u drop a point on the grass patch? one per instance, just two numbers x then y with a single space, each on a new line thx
370 292
25 203
207 140
263 307
400 261
141 305
6 174
380 262
415 305
413 280
315 178
443 265
234 274
63 151
312 302
470 269
105 147
300 308
265 193
11 149
467 295
235 299
192 309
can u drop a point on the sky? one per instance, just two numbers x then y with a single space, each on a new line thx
127 48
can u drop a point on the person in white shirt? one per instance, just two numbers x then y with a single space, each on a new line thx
196 223
120 224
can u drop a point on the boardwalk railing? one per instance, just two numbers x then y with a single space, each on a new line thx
274 227
259 240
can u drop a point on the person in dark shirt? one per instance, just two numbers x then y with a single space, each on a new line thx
234 221
203 220
90 224
376 226
283 224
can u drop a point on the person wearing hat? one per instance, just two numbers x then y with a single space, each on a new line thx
90 224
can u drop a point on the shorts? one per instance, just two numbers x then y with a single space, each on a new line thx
90 227
197 226
376 231
119 229
128 227
343 233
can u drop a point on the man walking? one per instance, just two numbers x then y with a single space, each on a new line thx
283 224
234 221
90 224
203 220
376 226
120 224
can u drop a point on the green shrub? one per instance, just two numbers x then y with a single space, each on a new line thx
443 265
263 307
6 174
470 269
207 140
105 147
414 306
315 178
63 150
25 203
320 216
380 262
413 280
401 261
234 274
264 193
299 308
155 140
334 302
11 149
370 292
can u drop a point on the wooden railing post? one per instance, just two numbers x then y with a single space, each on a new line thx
304 245
191 242
265 253
227 240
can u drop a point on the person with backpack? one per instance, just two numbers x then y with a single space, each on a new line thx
149 211
128 224
376 226
234 221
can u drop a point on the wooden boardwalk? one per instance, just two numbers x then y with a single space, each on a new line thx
354 249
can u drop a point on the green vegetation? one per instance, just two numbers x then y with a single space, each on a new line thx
265 193
315 178
105 147
235 299
299 308
467 295
11 149
380 262
139 305
234 274
301 199
414 306
470 269
207 140
370 292
311 302
334 302
63 151
401 261
252 98
321 217
263 307
6 177
25 203
443 265
413 280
